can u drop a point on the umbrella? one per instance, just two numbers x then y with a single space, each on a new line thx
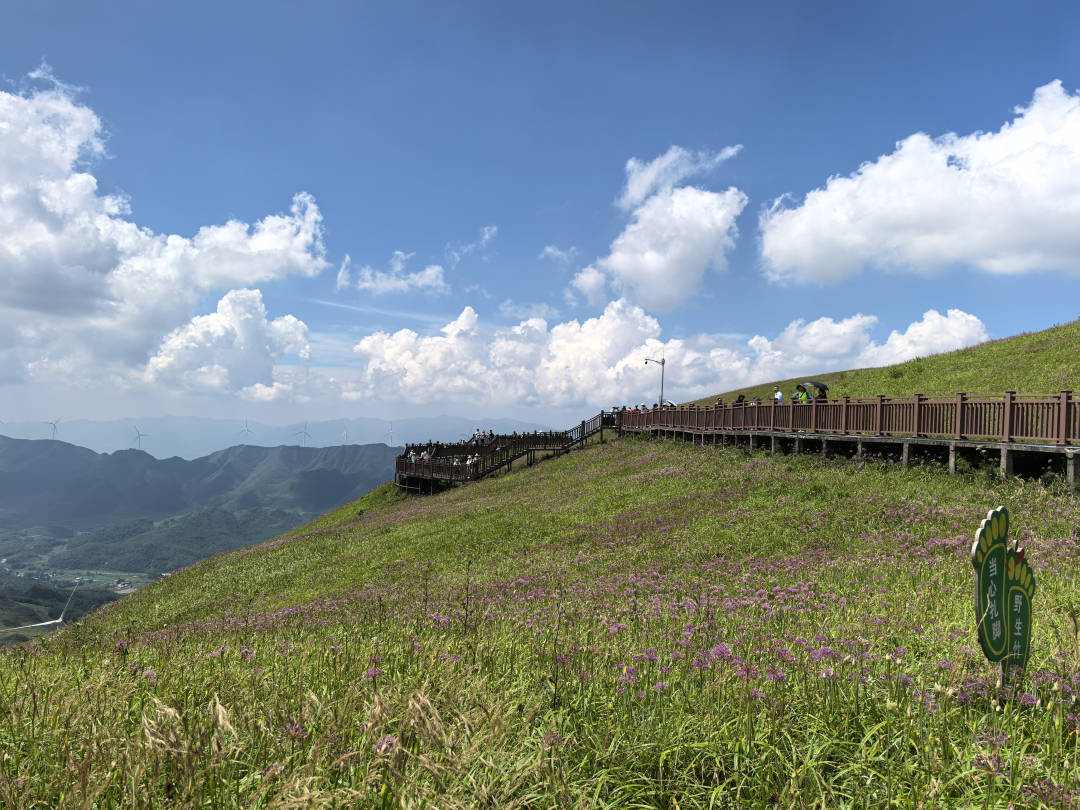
822 387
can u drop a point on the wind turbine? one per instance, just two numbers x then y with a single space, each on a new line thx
57 622
345 434
304 435
390 434
55 426
139 436
245 430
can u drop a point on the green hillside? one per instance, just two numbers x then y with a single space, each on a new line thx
638 624
25 602
1043 362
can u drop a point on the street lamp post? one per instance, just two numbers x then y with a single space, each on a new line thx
661 362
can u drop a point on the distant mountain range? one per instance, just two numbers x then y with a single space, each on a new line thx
194 437
65 508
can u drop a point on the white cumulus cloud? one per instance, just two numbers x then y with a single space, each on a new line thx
1003 202
601 360
643 179
395 280
230 350
934 334
591 283
828 345
676 235
88 288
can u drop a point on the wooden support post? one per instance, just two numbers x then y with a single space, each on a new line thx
1070 470
958 418
1063 420
843 414
752 438
917 420
877 414
859 448
952 458
773 444
798 445
1007 421
1006 466
905 453
825 447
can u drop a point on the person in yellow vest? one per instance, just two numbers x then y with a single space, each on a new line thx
800 395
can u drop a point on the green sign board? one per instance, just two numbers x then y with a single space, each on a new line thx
1004 585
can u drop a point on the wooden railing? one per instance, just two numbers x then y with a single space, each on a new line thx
447 461
1011 417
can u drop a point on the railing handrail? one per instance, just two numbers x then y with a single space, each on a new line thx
1007 417
446 462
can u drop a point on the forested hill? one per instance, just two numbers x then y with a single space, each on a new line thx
48 482
118 520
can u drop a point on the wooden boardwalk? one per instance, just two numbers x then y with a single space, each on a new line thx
446 462
1017 427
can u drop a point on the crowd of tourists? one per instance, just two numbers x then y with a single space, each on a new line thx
462 454
802 394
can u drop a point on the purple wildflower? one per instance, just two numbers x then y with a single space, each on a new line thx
720 651
552 739
295 730
385 743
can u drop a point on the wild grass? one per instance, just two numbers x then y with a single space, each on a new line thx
1043 362
640 624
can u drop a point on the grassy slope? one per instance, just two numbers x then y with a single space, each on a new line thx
630 625
1036 363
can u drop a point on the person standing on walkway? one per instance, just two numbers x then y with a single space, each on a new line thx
778 395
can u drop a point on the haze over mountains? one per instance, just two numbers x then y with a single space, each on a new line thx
120 519
116 517
193 437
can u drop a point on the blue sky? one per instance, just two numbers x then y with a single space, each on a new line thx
290 212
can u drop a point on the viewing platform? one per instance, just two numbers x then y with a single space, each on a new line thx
1028 434
448 462
1020 428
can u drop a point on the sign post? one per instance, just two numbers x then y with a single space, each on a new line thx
1004 586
